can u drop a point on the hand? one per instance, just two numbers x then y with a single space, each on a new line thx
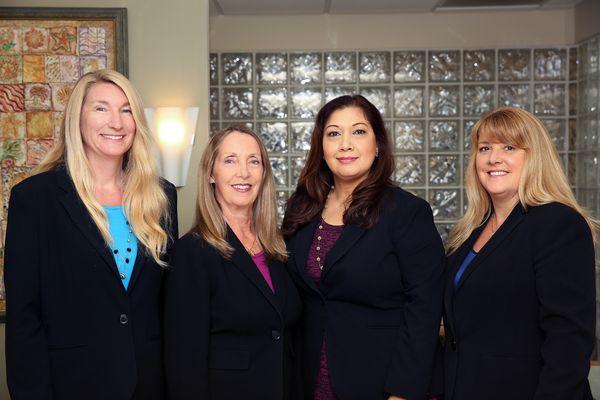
395 398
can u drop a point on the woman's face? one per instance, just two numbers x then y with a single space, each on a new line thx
499 167
107 124
349 145
237 172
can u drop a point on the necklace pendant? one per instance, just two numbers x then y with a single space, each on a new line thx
123 275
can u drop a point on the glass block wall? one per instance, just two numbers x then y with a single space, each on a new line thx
430 99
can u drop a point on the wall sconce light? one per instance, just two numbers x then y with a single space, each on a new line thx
174 130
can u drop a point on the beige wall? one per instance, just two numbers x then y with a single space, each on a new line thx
587 20
419 30
168 63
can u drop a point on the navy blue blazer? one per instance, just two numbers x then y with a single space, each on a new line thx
72 330
227 335
378 305
520 324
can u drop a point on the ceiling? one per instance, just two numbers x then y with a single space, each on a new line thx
275 7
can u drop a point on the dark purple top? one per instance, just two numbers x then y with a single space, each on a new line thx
324 238
261 263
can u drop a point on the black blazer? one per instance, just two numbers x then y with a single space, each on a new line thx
227 335
379 303
72 330
520 324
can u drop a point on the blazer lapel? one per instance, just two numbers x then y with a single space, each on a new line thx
350 234
140 261
242 260
277 270
301 246
513 220
76 210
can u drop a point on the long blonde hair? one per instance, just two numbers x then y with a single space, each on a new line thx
209 221
144 201
542 179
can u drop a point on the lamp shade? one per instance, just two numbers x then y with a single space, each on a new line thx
174 131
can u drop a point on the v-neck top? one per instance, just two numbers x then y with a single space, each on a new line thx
124 243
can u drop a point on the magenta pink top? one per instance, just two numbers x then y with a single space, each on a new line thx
261 263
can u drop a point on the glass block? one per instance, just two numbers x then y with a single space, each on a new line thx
572 134
592 58
271 68
305 68
213 128
305 102
477 100
443 170
467 127
409 135
573 98
444 231
337 91
214 103
573 62
550 64
590 93
514 96
479 65
340 67
374 67
409 66
380 97
444 66
279 165
549 99
282 198
443 135
410 170
514 65
213 68
557 130
237 103
443 101
274 136
408 101
297 165
236 68
272 103
301 134
445 203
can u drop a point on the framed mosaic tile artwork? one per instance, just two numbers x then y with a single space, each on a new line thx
43 52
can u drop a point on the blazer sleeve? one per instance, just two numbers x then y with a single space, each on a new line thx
421 255
187 323
173 227
27 357
564 268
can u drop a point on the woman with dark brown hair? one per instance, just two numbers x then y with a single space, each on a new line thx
368 263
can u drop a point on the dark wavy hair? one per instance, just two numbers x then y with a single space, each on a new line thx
316 178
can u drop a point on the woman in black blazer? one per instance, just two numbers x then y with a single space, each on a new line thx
368 262
83 315
520 296
230 306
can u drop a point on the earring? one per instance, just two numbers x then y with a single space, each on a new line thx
376 152
211 180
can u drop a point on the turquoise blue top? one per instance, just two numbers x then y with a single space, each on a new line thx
124 245
464 266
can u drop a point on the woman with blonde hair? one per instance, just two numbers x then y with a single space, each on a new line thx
230 307
520 295
86 243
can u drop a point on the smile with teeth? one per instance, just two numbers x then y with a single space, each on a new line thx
242 187
497 173
113 137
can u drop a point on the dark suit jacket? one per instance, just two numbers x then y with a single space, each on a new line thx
227 335
72 330
520 324
379 303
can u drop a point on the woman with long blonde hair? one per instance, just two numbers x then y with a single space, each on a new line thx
520 296
231 309
86 247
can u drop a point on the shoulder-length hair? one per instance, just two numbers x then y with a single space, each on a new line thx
542 179
144 201
209 221
316 178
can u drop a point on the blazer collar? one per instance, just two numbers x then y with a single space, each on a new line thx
81 218
350 234
242 260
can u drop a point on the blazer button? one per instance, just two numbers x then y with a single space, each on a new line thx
123 319
275 334
453 345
